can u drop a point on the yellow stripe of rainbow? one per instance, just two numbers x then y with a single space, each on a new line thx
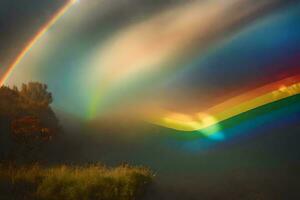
232 107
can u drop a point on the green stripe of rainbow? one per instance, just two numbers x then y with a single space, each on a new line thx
250 100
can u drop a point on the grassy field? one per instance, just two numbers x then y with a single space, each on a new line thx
74 183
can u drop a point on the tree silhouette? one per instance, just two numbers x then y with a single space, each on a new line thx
27 121
35 93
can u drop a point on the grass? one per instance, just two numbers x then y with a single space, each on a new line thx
74 183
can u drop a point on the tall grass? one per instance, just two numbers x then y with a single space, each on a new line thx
94 182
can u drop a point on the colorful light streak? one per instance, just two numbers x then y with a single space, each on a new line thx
277 116
33 41
250 100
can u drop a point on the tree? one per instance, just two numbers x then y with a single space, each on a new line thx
26 119
9 102
35 93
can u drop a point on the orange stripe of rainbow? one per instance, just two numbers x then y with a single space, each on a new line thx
250 100
31 43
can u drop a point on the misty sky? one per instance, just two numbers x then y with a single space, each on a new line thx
126 56
19 21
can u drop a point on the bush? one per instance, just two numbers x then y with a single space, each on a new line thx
74 183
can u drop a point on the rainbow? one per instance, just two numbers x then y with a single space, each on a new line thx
281 116
33 41
159 47
243 103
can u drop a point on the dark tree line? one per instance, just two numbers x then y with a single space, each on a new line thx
27 122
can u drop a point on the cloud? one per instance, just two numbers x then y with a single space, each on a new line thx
118 50
163 42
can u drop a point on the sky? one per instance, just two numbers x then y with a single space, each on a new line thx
181 65
19 21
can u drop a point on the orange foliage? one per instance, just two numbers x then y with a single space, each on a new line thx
30 128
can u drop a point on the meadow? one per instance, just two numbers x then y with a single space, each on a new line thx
74 182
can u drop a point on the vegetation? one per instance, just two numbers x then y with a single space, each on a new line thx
27 126
73 183
27 121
